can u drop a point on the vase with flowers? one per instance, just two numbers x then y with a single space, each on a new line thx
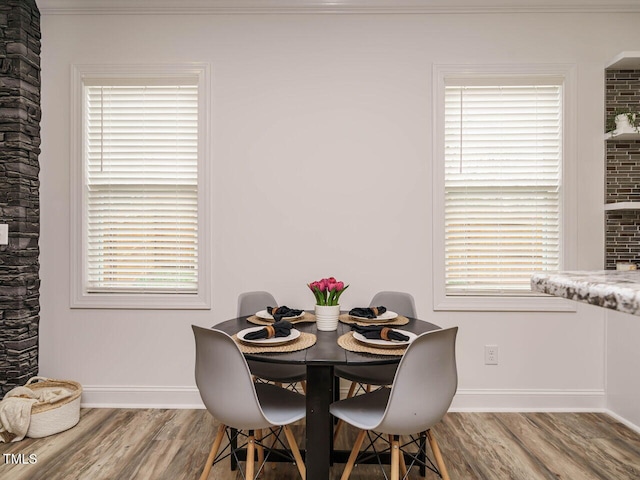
327 292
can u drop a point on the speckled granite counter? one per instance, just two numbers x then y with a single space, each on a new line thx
618 290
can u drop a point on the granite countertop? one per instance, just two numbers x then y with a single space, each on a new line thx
617 290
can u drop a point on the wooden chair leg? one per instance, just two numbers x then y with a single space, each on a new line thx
251 444
352 389
213 452
395 458
354 454
296 451
438 455
403 464
260 450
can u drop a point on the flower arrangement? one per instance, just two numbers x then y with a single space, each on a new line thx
327 291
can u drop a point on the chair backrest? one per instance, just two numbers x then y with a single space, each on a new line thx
399 302
424 385
224 381
252 302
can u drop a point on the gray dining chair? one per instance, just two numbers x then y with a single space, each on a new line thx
248 304
376 375
237 402
420 395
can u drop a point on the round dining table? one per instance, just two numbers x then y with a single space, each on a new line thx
320 360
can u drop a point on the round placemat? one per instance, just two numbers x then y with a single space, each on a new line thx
307 317
399 320
347 342
305 340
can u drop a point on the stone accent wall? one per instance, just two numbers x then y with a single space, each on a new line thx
622 237
19 190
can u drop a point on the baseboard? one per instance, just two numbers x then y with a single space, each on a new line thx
466 400
124 396
624 421
475 400
499 400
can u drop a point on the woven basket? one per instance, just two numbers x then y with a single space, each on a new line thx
50 418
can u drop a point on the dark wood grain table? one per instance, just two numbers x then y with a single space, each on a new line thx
320 360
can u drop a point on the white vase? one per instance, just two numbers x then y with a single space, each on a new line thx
327 317
623 125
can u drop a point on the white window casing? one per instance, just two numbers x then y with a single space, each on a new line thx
140 230
502 184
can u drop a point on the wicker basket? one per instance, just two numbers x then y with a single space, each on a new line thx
50 418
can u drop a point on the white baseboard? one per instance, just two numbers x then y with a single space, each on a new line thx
129 396
476 400
466 400
624 421
499 400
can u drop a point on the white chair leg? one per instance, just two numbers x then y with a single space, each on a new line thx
213 452
296 451
438 456
354 454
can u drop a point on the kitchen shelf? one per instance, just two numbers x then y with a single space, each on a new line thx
622 206
625 61
622 136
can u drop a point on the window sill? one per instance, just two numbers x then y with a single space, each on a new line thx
141 302
524 303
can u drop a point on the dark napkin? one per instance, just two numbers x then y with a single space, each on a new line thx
378 332
367 312
283 312
278 329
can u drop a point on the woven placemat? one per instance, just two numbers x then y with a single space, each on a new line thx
307 317
305 340
347 342
399 320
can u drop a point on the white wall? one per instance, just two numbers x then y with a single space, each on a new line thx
322 129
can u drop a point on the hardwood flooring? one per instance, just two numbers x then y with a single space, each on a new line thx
123 444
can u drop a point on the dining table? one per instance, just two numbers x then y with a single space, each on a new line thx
320 360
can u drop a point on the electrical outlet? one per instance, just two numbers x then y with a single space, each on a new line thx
4 234
491 355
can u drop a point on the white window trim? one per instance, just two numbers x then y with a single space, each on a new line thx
79 297
568 237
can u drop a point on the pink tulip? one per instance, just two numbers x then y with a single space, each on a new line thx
339 286
322 285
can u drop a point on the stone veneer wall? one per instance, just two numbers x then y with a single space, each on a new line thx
19 190
622 237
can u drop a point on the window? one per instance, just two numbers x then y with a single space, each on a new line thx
501 165
140 224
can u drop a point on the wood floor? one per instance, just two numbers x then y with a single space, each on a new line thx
122 444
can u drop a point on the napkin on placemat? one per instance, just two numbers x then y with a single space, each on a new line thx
379 332
278 329
279 313
367 312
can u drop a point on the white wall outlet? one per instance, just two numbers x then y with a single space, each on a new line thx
491 355
4 234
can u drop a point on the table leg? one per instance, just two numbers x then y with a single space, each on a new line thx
319 431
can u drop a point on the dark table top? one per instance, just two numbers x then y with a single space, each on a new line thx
326 350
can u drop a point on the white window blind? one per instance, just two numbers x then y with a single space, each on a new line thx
503 157
141 181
